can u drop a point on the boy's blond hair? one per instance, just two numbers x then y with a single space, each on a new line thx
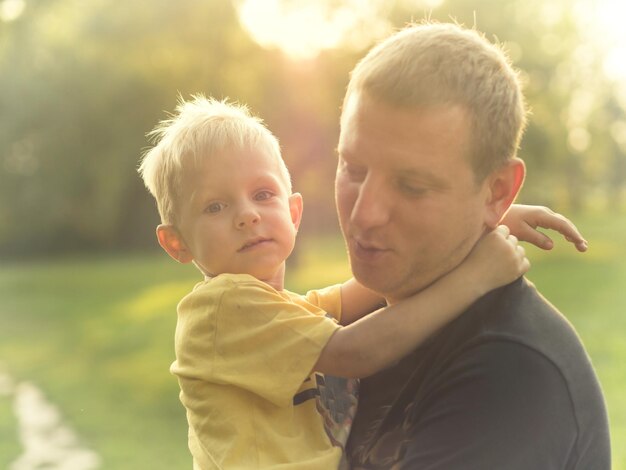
199 129
432 64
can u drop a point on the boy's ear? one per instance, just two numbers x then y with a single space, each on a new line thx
295 208
174 245
503 185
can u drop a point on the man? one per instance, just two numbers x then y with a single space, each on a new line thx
430 127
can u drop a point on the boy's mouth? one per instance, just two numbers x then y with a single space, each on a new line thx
253 243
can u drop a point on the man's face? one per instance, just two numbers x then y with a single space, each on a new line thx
409 207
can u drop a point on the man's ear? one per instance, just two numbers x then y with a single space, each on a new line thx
503 186
295 208
174 245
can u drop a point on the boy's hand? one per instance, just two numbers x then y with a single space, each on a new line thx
496 260
523 222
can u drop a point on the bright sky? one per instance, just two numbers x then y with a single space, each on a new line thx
609 17
11 9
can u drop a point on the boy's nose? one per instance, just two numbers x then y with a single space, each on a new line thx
246 217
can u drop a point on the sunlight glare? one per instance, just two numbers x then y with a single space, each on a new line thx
610 32
11 10
303 29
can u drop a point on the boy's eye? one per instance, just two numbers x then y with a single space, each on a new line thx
263 195
215 207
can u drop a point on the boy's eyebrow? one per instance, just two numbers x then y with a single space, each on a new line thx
200 194
270 176
271 179
194 193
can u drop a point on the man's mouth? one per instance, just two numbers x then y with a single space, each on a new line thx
254 242
367 251
368 245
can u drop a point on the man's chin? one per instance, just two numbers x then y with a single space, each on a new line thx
378 282
389 285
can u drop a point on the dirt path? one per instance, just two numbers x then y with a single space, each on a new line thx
47 441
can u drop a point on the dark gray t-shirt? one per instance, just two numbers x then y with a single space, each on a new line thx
508 385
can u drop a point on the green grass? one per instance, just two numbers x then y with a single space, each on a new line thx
96 334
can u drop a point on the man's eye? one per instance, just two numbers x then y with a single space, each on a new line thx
412 189
215 207
263 195
355 173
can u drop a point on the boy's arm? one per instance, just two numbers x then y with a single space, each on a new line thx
378 340
523 221
357 301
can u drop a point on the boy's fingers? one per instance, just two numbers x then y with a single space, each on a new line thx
562 225
581 246
541 240
504 230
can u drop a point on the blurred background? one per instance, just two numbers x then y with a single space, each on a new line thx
87 301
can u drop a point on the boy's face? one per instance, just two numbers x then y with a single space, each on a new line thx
236 216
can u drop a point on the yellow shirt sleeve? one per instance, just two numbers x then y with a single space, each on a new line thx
328 299
241 332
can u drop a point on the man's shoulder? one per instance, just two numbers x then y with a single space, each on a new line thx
520 314
510 353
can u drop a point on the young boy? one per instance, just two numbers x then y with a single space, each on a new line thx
246 347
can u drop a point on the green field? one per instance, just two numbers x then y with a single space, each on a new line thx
96 334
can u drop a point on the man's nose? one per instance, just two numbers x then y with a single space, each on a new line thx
247 216
372 207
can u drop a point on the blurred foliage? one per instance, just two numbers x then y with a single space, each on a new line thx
82 83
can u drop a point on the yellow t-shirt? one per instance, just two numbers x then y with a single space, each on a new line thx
244 354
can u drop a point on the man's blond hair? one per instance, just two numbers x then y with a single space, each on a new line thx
434 64
197 130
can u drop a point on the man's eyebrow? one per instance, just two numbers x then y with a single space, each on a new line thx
341 154
425 176
344 155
